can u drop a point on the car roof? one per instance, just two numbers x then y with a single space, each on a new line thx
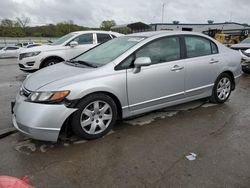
96 31
156 33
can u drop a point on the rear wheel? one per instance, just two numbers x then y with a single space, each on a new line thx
96 116
222 89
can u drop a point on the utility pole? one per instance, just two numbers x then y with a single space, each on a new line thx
162 13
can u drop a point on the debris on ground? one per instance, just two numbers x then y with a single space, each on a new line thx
191 156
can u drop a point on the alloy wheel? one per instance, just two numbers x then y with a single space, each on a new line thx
224 88
96 117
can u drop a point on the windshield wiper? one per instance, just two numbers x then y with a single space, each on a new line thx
83 63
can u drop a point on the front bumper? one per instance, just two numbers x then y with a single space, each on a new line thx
29 64
39 121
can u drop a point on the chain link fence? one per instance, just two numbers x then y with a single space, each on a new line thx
11 41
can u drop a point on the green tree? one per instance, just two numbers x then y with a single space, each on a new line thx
11 28
107 24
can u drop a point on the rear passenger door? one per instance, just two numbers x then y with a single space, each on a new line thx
202 61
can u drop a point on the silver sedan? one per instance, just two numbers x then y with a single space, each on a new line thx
121 78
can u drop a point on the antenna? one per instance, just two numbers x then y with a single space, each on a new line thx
162 13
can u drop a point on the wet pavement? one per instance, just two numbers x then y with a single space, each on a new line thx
149 151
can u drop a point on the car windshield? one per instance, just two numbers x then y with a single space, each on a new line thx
63 39
247 40
108 51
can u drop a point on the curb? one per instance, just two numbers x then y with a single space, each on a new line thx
7 132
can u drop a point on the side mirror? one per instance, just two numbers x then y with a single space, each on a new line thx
73 44
140 62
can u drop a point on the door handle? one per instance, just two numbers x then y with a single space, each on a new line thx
177 68
213 61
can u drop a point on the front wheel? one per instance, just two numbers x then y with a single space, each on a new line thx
50 62
96 116
222 89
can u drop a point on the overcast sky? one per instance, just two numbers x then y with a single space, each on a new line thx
92 12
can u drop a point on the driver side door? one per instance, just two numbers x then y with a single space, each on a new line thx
161 82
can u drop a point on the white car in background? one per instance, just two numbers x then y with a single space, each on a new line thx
65 48
9 52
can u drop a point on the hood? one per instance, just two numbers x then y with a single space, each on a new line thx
42 48
60 72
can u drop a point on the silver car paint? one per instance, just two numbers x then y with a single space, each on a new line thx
138 93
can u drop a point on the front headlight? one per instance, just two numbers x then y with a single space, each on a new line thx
29 54
50 96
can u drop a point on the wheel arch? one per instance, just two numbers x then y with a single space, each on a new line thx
66 130
230 73
50 57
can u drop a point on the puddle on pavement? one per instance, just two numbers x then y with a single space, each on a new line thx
28 146
167 112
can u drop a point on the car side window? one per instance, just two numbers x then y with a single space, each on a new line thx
198 46
162 50
214 48
101 37
11 48
84 39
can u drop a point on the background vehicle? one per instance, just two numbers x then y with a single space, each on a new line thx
243 45
65 48
245 55
228 37
9 52
32 45
24 44
125 77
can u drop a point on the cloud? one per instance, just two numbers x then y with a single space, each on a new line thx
92 13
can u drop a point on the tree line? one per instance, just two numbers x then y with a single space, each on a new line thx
20 28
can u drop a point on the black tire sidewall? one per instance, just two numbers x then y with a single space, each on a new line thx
75 119
46 63
215 97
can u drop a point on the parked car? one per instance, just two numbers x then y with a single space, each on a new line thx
243 45
24 44
124 77
65 48
32 45
245 55
9 52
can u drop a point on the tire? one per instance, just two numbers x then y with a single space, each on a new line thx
93 121
222 89
50 62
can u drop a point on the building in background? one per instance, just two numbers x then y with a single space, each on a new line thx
131 28
201 28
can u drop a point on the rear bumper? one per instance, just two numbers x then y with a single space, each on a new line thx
39 121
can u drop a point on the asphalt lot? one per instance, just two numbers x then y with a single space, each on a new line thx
145 152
